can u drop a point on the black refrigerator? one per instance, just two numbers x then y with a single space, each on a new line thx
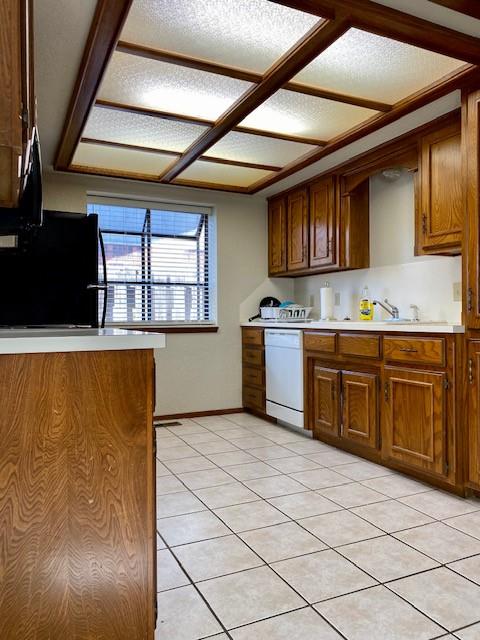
51 278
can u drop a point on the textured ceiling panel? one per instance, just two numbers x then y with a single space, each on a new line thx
370 66
217 173
168 87
302 115
244 147
253 33
104 157
140 130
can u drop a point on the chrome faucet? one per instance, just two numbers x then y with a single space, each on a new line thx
392 310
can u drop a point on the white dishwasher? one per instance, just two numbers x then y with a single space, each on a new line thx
284 375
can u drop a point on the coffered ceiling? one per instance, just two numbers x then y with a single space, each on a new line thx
236 95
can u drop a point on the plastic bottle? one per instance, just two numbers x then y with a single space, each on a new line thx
366 306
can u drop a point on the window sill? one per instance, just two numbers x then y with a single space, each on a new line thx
172 328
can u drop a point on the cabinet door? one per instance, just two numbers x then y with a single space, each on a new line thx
442 202
322 223
277 237
474 412
297 230
471 118
326 400
360 408
415 418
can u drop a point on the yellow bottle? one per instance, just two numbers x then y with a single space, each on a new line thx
366 306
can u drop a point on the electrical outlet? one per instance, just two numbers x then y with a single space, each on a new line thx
457 291
337 299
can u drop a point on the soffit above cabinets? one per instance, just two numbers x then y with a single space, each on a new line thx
288 83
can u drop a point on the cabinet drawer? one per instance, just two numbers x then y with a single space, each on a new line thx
406 349
253 356
313 341
351 344
252 336
254 398
253 377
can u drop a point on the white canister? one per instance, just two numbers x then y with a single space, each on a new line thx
326 302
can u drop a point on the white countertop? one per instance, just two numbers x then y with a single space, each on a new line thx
63 340
365 325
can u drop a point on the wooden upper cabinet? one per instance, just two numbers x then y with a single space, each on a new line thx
277 236
16 97
474 412
471 142
360 408
325 397
297 229
323 250
415 418
441 206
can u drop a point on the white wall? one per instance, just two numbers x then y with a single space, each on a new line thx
198 372
394 272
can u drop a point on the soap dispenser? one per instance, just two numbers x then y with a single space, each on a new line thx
366 306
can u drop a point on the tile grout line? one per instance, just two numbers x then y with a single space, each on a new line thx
351 481
308 605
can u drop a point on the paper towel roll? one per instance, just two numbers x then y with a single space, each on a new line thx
326 303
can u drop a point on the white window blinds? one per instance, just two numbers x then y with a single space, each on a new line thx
157 262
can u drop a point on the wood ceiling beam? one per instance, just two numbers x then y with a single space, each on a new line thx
177 154
467 75
145 177
391 23
311 45
175 117
182 60
468 7
103 36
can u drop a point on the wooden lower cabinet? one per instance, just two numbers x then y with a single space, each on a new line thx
474 412
326 401
77 496
360 408
415 418
253 369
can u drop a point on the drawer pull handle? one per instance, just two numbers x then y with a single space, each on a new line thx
409 349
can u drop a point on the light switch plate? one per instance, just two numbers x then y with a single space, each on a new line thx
457 291
337 299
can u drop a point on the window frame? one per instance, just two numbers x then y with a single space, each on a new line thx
208 214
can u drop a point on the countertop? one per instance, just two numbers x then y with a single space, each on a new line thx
65 340
352 325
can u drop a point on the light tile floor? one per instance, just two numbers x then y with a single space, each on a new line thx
264 533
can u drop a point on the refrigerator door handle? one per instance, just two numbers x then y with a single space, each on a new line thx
105 281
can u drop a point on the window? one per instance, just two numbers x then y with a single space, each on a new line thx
157 262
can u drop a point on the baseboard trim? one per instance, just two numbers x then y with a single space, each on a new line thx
198 414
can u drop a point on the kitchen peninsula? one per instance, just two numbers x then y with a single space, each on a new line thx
77 491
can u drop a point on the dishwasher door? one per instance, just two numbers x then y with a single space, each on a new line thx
284 368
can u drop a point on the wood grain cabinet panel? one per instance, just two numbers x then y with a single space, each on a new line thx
277 236
252 336
353 344
325 397
406 349
253 369
360 408
415 418
471 118
318 341
474 412
441 191
253 356
297 230
17 102
253 377
77 500
323 250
